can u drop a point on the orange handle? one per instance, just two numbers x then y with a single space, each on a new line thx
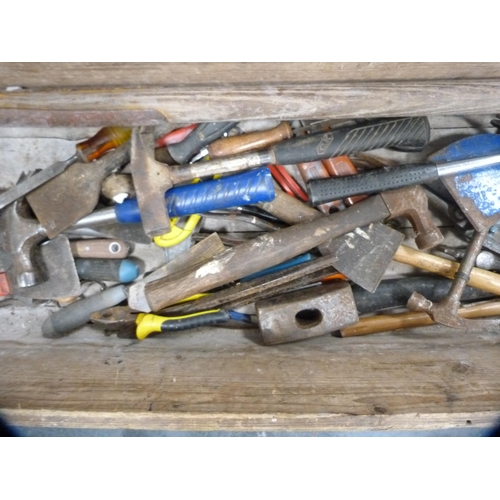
249 142
389 322
107 138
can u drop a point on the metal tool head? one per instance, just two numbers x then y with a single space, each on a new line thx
477 192
364 254
478 195
151 180
57 267
306 313
20 235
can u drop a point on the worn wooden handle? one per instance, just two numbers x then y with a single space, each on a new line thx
479 278
253 141
289 209
100 249
389 322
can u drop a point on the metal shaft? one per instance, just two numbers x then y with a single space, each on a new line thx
464 166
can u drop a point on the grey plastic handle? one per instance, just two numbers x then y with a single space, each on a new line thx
77 314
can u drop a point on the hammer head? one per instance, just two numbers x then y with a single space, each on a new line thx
411 203
20 235
151 180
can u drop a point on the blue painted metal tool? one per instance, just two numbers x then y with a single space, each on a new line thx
476 192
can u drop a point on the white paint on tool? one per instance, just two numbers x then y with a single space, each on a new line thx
361 233
210 268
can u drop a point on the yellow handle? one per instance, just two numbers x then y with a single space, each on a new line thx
177 234
149 323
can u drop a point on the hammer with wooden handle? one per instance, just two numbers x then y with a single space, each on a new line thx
275 248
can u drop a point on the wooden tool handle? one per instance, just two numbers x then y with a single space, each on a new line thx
289 209
479 278
389 322
249 142
100 249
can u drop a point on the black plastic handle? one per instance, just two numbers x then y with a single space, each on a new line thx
177 325
203 134
375 181
405 134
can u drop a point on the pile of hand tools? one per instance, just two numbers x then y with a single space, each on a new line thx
290 227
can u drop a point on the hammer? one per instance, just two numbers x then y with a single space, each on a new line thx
20 235
271 249
152 178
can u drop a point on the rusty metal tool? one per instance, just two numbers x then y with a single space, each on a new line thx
56 269
389 322
253 141
36 271
477 195
73 194
410 202
277 247
305 314
86 151
364 254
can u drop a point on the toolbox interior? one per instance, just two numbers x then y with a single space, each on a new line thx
226 379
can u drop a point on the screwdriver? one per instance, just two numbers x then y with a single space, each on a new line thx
243 143
87 151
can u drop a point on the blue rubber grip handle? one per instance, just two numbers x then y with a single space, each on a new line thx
247 188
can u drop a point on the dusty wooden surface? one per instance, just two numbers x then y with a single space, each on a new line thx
150 105
250 422
32 75
98 94
227 378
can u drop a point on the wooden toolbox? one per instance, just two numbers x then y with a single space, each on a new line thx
219 379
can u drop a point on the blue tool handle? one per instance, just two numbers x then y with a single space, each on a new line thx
247 188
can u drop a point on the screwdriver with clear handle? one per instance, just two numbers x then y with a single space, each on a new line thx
87 151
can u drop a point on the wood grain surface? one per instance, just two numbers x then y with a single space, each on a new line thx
209 373
69 106
88 74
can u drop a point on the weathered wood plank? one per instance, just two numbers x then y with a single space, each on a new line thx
234 422
229 372
91 74
102 106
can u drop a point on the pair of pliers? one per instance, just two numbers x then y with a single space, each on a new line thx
150 323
